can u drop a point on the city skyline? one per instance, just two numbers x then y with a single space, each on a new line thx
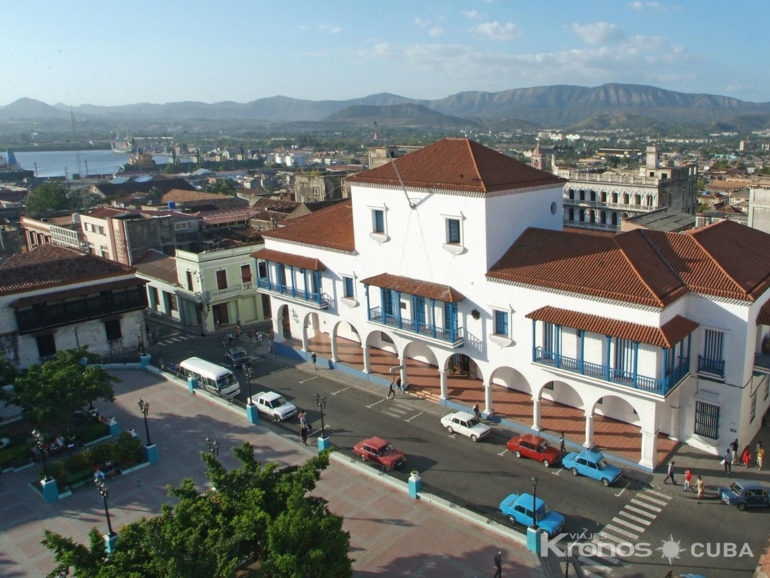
102 54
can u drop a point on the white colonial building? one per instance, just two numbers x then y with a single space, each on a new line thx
454 256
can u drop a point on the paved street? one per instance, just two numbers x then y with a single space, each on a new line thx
638 509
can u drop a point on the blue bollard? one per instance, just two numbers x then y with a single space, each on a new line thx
50 490
252 414
110 542
144 359
151 453
192 383
324 444
533 539
114 427
415 485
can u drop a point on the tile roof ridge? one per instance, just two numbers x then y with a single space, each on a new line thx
644 232
635 270
469 144
716 262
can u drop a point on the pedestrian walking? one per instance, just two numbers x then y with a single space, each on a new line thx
400 386
700 487
259 339
734 447
391 393
760 456
562 446
687 480
270 345
476 410
303 434
314 359
727 461
499 565
746 456
670 474
302 418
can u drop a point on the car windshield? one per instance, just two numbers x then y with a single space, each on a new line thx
542 512
239 354
601 464
543 446
386 450
736 488
473 422
225 380
279 401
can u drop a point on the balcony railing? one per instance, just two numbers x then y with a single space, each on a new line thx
229 291
428 330
712 366
309 296
622 377
762 360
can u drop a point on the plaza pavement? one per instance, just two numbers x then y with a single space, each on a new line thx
391 534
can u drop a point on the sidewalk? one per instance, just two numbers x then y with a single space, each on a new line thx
391 534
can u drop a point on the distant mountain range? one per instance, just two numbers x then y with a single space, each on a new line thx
556 106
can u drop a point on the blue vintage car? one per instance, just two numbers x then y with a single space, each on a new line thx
592 464
745 494
518 509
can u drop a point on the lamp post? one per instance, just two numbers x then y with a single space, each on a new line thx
77 339
320 401
247 373
534 503
213 446
40 444
144 407
566 561
103 491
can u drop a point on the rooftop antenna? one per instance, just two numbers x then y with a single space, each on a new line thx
395 168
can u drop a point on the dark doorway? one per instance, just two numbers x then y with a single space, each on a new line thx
220 314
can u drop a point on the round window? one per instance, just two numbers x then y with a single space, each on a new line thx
553 208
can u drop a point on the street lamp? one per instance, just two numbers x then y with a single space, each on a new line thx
534 503
566 561
77 340
144 407
40 444
247 373
213 446
320 401
103 491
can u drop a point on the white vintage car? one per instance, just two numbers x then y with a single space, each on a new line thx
274 405
466 424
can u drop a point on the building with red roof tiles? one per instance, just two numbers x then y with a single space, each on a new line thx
456 257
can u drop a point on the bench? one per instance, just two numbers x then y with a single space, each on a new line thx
79 479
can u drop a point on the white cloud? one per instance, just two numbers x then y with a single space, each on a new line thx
436 31
599 32
330 29
421 22
472 15
657 6
497 31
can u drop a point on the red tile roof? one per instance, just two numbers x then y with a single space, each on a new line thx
51 266
457 164
289 259
330 228
667 336
651 268
69 293
415 287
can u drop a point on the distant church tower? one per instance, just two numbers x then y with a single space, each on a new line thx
538 159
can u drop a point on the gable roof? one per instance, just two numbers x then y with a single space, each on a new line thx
457 164
52 266
331 228
650 268
159 266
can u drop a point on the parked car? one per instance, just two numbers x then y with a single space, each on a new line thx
518 509
466 424
534 447
745 494
238 357
274 405
593 465
380 451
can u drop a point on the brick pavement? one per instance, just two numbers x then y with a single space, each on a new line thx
391 534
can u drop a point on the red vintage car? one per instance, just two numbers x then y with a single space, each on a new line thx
380 451
534 447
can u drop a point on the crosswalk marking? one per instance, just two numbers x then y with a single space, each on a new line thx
646 505
666 497
613 538
622 522
651 499
640 512
601 555
634 518
594 564
621 531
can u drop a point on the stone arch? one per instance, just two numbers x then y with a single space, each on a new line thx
510 378
571 214
311 324
571 193
615 407
420 352
560 392
650 200
625 215
582 194
592 195
282 323
346 330
615 197
582 215
463 365
626 199
604 196
614 219
603 217
382 340
591 216
637 199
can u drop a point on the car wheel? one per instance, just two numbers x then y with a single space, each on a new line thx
363 457
517 453
742 506
574 471
474 438
511 519
605 482
450 430
546 463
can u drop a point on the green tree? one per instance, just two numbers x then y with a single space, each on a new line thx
50 393
50 196
222 186
260 520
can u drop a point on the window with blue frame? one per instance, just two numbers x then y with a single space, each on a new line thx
501 323
349 288
624 357
378 216
419 312
389 302
549 340
712 360
707 420
453 231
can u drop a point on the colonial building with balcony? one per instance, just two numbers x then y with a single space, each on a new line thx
450 268
602 200
54 298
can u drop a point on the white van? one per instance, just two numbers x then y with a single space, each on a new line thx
210 376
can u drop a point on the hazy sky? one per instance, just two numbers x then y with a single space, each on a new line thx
110 52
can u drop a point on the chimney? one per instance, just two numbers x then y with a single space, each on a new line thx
652 158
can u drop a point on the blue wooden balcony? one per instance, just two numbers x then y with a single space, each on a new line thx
657 385
452 336
311 297
762 362
712 366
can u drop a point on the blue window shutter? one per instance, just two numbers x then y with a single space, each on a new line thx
379 221
501 323
454 231
349 287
